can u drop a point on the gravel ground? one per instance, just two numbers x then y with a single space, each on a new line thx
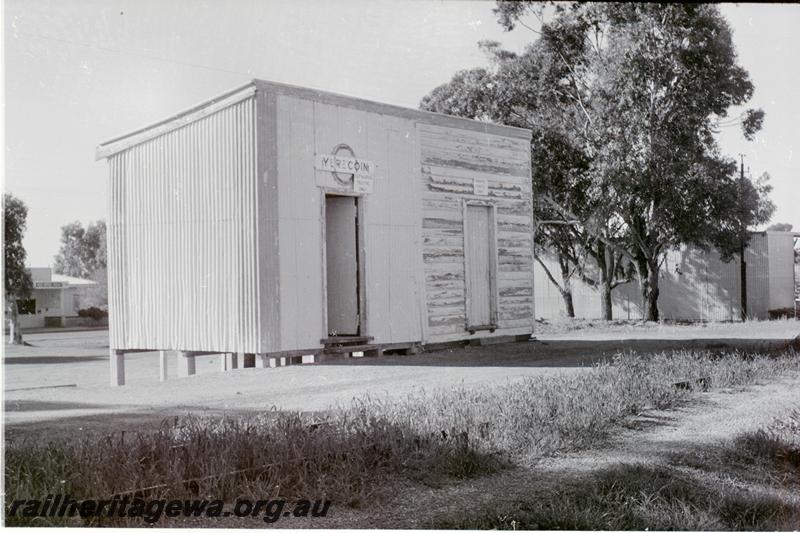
65 374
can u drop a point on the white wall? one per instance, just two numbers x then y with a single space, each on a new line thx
694 285
781 269
391 225
182 247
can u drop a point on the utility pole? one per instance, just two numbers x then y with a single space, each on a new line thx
742 244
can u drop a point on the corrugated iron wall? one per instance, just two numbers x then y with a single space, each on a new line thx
693 284
625 299
182 244
781 270
758 259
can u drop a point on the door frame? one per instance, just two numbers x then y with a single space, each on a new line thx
360 258
493 290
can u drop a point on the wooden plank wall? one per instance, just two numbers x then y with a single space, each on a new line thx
451 160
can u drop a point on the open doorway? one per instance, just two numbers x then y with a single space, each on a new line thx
342 265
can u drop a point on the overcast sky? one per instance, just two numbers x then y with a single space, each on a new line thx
80 72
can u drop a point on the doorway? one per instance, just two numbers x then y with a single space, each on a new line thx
342 265
479 266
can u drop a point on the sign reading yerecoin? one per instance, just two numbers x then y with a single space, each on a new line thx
347 169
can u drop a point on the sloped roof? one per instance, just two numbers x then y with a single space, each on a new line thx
123 142
74 282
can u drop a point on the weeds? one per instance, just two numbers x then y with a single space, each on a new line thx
638 497
347 455
768 456
745 484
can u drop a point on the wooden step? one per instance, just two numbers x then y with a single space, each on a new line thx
352 348
345 340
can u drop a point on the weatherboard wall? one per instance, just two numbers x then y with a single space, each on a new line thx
452 161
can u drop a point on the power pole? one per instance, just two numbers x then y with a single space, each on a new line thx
742 244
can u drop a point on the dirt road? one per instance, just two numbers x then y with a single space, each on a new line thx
64 375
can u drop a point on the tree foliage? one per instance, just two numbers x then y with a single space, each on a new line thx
624 101
83 250
780 226
18 282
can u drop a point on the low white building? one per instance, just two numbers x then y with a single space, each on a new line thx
693 285
54 300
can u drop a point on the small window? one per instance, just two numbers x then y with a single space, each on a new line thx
26 307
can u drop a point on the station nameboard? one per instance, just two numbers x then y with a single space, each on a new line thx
49 284
344 165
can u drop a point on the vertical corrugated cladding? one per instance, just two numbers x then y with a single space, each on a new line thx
117 271
183 232
452 160
781 269
697 285
757 258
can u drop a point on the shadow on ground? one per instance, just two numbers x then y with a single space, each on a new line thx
561 353
12 406
52 359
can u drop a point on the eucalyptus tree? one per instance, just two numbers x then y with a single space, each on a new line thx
662 80
538 89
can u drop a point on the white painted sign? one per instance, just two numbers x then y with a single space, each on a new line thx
480 187
49 284
362 184
344 165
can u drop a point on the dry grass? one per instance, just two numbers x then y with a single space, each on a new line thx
747 484
638 497
351 455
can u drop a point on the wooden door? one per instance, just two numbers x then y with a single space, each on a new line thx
479 266
341 249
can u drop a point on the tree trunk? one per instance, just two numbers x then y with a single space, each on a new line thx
569 307
566 287
606 273
605 300
14 331
650 295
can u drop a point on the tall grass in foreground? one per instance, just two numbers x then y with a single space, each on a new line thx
347 455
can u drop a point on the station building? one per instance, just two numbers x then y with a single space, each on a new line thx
277 221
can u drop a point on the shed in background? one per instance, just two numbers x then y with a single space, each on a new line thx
693 285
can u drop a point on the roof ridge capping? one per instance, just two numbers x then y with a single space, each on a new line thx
243 92
384 108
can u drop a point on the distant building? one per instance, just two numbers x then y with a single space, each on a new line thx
55 299
694 285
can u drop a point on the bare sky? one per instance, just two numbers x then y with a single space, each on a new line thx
80 72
